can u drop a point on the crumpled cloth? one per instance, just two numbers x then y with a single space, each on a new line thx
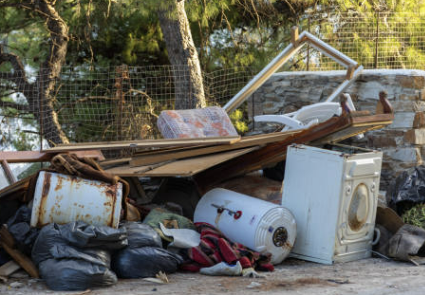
215 248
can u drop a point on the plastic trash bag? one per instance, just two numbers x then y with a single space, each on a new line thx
76 256
75 275
78 234
407 190
144 262
84 235
97 256
19 227
141 235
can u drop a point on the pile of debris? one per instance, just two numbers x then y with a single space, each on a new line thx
92 221
195 201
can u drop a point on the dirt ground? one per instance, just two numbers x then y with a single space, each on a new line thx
368 276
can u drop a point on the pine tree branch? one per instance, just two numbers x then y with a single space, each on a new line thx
14 105
18 76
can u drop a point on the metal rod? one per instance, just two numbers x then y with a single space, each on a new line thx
376 40
260 78
286 54
344 85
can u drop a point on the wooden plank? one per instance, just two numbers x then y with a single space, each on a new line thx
22 260
275 152
6 237
194 152
15 189
9 174
185 168
144 143
9 268
114 162
8 242
347 133
36 156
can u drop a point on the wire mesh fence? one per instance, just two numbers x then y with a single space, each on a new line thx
123 103
376 41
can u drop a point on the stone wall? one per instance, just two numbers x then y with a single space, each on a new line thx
403 142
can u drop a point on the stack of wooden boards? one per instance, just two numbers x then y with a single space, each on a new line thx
211 160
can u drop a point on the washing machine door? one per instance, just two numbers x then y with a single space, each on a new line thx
359 201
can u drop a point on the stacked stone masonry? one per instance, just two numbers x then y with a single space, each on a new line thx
403 142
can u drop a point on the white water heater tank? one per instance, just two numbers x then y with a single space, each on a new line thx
258 225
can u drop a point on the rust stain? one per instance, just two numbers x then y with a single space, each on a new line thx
287 245
44 193
355 224
111 193
59 183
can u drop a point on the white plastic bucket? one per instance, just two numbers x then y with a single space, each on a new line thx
258 225
62 198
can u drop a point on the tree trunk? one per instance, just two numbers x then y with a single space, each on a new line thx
182 54
40 94
50 71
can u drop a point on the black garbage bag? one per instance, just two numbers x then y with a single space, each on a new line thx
75 275
83 235
407 190
78 234
97 256
144 262
76 256
141 235
19 227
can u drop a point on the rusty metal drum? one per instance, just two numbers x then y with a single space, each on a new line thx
63 198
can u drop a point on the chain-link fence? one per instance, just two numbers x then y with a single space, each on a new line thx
376 41
123 103
101 105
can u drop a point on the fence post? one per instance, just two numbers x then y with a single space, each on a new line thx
40 81
376 40
308 44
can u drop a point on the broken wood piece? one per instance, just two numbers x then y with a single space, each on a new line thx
7 171
22 260
185 167
8 243
333 130
6 237
114 162
247 141
34 156
151 167
9 268
383 106
17 190
144 143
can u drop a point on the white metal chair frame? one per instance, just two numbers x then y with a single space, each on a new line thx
353 68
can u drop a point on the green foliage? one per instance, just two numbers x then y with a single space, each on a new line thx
415 216
237 118
32 169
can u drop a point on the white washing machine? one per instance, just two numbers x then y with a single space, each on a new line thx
333 196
